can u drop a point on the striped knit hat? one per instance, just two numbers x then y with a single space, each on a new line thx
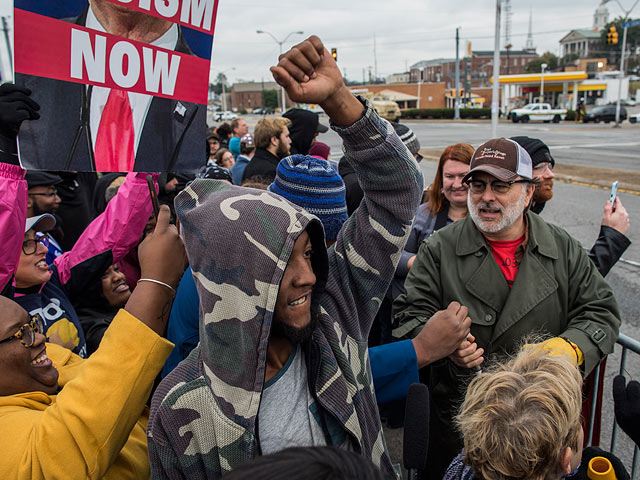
408 137
314 185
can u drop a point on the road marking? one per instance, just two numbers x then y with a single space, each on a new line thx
590 145
594 185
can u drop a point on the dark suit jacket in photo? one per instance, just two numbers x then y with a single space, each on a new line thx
172 137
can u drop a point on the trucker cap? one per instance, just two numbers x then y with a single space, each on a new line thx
502 158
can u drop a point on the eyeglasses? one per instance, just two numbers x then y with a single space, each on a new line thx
51 193
542 166
498 186
30 246
27 332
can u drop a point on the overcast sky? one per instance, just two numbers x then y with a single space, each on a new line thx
407 31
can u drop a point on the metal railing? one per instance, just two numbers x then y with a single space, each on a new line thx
627 344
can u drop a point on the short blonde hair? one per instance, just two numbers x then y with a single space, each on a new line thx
269 127
518 418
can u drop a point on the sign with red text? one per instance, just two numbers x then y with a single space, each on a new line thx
120 84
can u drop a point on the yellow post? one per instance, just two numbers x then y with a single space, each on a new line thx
600 468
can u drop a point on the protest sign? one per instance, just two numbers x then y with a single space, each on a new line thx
118 82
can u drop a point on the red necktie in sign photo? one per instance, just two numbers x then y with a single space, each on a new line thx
114 145
112 98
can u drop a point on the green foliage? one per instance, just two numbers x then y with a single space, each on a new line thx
270 99
569 58
446 113
534 66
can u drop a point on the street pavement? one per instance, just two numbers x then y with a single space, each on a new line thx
592 145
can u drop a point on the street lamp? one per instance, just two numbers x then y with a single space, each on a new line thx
624 46
299 32
224 90
543 66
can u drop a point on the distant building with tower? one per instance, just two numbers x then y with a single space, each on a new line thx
584 42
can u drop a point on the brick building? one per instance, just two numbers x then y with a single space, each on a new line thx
248 95
480 67
410 95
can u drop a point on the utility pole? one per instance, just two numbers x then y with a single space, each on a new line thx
495 100
5 28
456 98
375 58
624 46
625 24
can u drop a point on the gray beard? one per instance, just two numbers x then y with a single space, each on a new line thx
510 213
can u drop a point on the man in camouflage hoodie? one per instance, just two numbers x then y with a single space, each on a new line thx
284 321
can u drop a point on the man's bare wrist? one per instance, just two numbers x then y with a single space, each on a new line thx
343 108
423 358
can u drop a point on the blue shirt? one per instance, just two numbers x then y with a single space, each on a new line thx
234 146
237 171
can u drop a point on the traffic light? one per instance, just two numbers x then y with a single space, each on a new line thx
334 54
612 36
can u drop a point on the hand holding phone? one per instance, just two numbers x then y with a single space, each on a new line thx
614 194
154 196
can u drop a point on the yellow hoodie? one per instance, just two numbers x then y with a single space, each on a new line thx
95 426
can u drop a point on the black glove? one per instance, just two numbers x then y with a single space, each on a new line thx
626 399
15 107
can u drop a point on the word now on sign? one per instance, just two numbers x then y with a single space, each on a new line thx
105 60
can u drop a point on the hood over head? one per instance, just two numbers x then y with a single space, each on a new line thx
304 125
239 241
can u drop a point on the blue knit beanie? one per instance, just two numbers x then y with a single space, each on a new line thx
314 185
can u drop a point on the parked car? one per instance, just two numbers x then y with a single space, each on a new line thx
538 111
262 111
224 116
635 118
605 113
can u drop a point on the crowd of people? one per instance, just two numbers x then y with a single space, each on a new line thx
279 302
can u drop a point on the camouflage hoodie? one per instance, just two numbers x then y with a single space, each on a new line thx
204 414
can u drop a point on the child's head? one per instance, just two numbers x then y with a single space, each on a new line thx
521 419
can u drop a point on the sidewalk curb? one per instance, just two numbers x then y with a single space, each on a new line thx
625 187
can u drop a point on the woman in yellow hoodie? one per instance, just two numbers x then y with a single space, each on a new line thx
65 417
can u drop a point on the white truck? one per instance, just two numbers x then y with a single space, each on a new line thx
541 112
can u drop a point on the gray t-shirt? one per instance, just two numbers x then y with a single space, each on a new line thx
289 415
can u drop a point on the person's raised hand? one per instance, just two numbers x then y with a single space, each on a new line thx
309 74
616 216
442 334
162 261
468 355
626 400
161 254
15 107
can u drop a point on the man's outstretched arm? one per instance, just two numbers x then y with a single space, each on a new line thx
368 247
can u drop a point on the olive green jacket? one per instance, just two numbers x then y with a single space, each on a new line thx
557 291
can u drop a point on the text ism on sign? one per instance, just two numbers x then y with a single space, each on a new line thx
197 14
